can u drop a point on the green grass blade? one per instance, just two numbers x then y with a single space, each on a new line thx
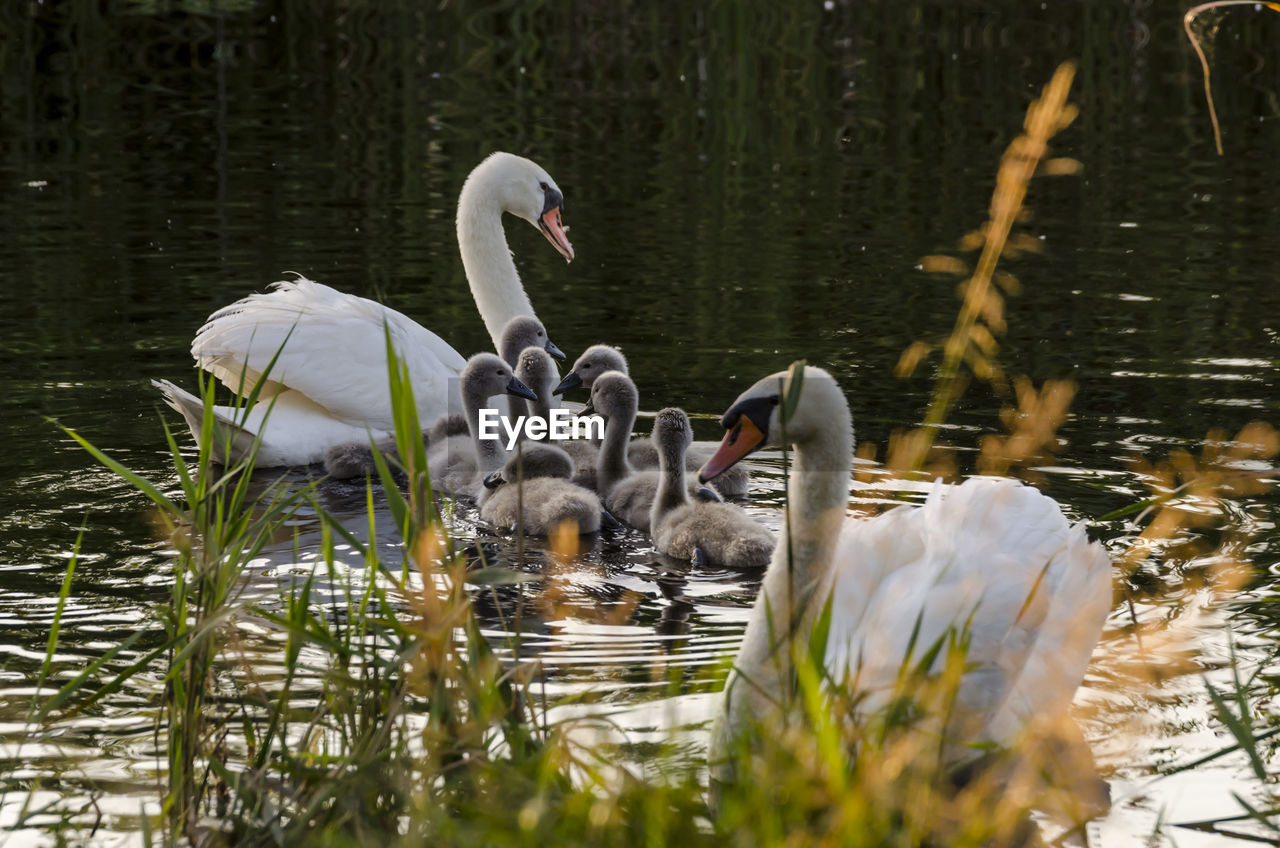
56 626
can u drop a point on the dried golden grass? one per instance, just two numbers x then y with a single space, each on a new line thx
971 350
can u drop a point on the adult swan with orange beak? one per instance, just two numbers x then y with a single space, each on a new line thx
328 382
990 560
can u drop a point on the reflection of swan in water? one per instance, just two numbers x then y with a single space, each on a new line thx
992 558
329 382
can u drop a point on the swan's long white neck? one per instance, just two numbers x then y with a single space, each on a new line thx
793 593
486 258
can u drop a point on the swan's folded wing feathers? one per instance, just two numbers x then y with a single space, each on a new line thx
329 345
1077 609
1009 539
991 560
867 552
986 518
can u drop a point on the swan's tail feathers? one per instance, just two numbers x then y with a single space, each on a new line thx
228 436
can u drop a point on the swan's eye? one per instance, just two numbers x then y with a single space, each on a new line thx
586 366
543 186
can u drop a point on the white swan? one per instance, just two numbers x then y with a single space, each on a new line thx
329 384
993 553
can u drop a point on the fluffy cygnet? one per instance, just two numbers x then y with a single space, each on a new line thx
707 533
642 453
458 464
532 492
625 492
536 370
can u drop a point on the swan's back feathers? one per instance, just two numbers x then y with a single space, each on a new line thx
1077 607
330 344
991 560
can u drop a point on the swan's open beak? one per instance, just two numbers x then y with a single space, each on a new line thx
741 440
571 381
549 223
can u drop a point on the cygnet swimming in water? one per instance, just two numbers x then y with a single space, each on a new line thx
458 464
536 370
543 498
642 453
627 493
707 533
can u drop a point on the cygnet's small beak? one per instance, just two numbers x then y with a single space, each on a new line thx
555 352
570 381
549 223
493 480
710 495
587 409
519 389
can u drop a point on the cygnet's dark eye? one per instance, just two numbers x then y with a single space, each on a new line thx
543 186
586 366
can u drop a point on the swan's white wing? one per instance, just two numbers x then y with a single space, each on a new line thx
993 559
1077 604
869 551
332 350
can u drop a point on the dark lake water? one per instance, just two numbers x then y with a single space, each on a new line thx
746 185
